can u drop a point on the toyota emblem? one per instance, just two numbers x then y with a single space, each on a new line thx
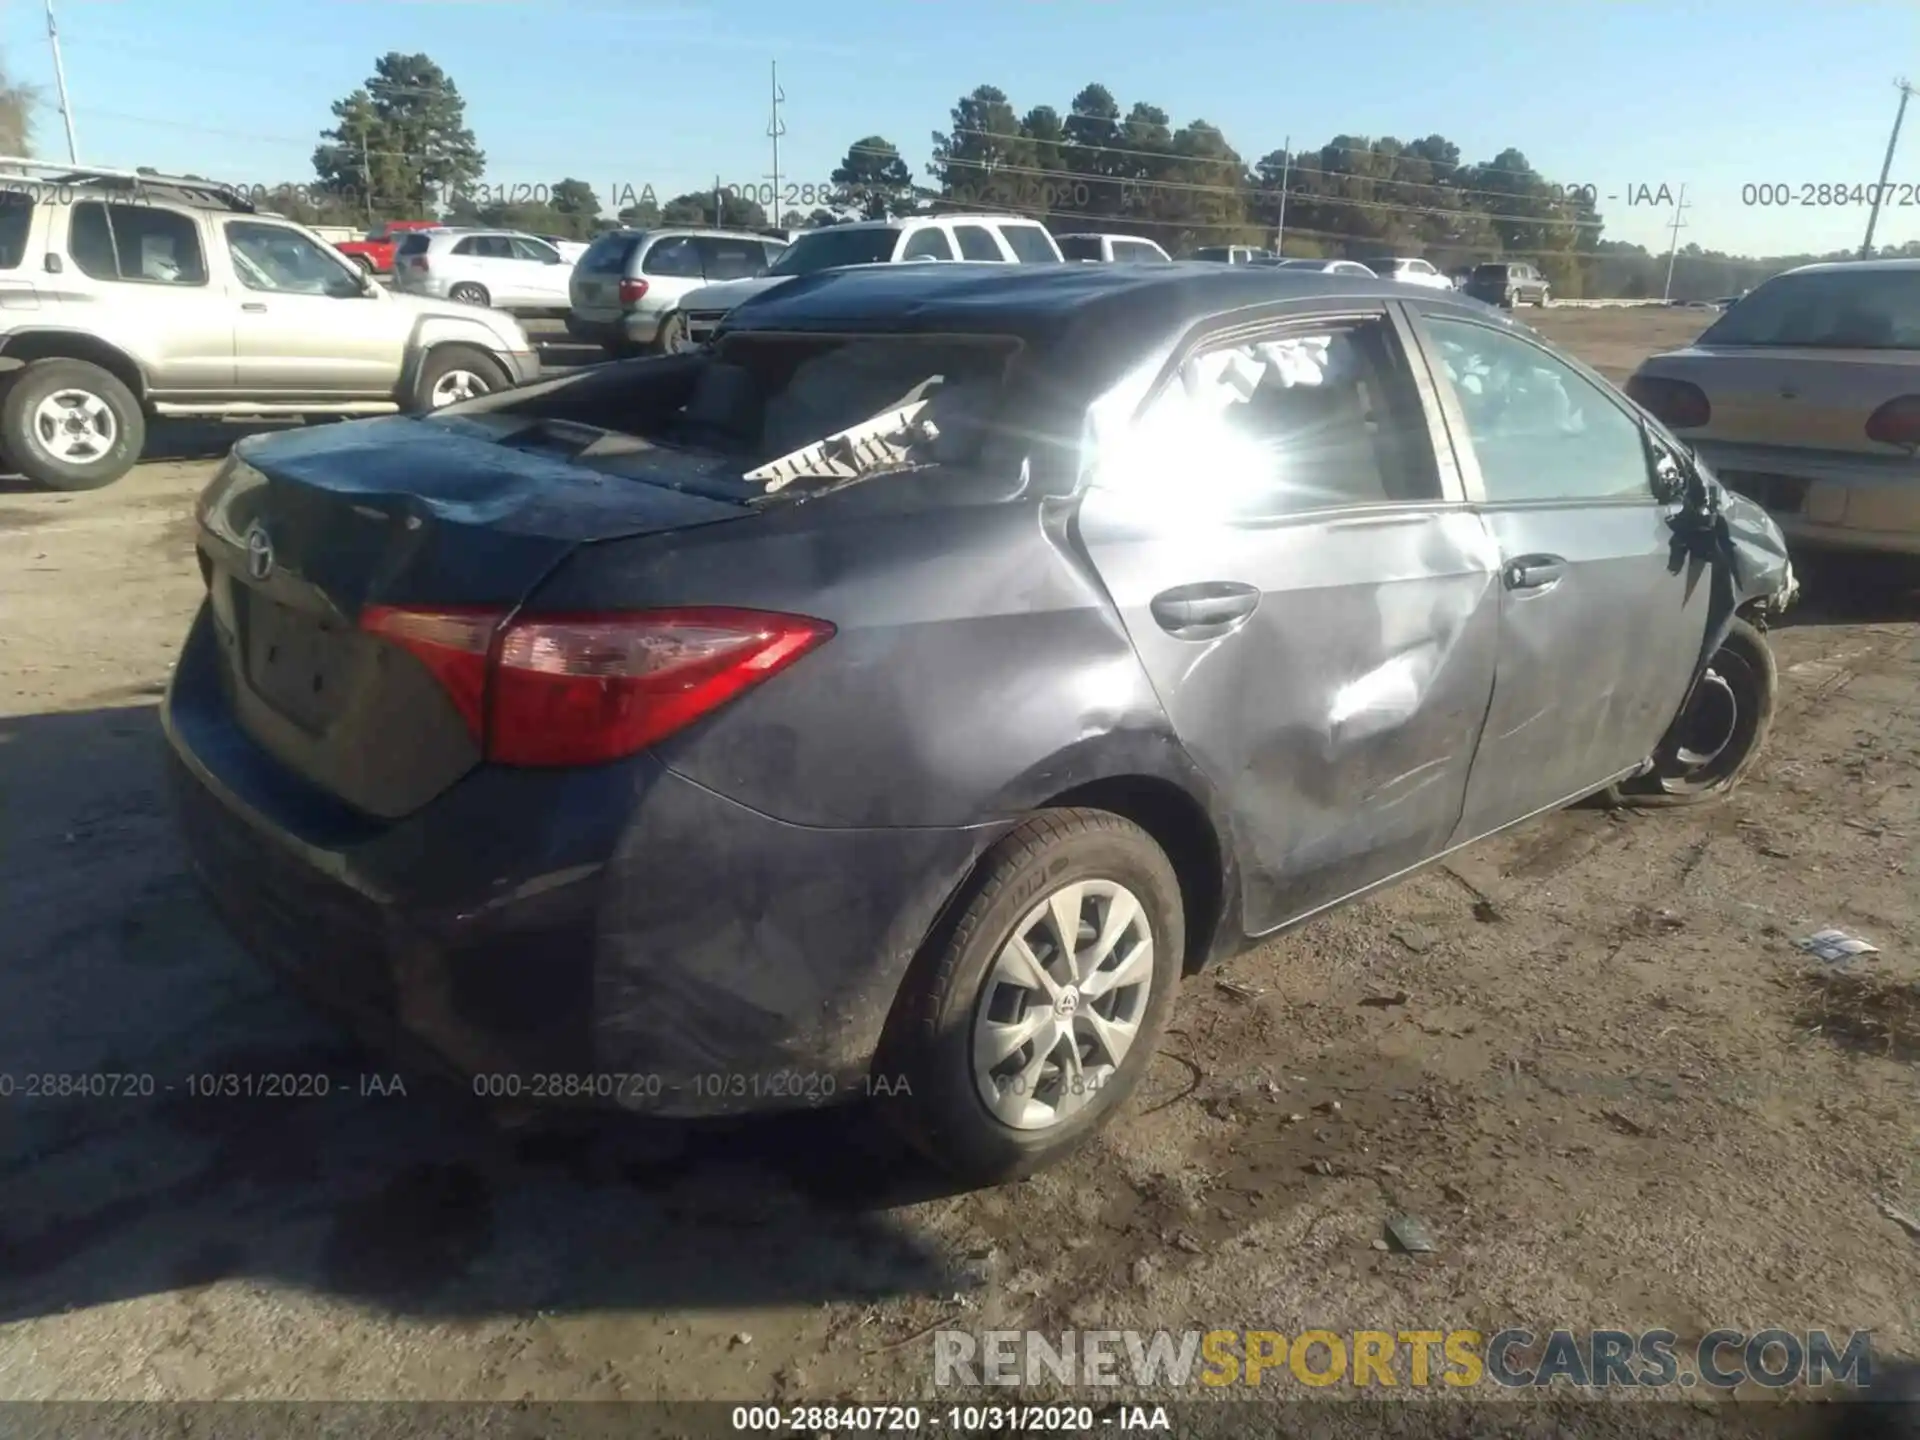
259 552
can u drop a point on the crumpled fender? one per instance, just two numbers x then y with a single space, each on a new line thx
1745 550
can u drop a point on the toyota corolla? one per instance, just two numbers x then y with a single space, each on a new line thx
901 695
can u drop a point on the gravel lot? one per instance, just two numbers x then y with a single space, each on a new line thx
1585 1053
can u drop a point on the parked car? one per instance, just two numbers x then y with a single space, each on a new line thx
498 268
1806 397
1408 270
150 296
988 239
1321 267
963 655
1110 249
374 254
1508 283
626 290
1232 254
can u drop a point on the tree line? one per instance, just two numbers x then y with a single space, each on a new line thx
400 147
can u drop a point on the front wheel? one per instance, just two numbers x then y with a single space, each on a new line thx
366 265
673 330
1034 1012
1546 299
1720 732
70 425
456 372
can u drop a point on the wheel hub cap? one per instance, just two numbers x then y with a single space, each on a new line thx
76 426
1062 1004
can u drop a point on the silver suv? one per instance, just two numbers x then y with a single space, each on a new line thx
626 290
125 296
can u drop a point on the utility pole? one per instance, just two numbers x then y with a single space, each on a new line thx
1886 165
1286 171
719 205
1677 225
776 127
366 177
60 79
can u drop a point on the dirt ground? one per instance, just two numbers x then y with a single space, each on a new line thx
1586 1054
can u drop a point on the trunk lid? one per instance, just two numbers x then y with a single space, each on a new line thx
304 531
1802 398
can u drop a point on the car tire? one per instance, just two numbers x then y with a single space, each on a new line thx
1546 299
673 329
957 995
366 265
1726 741
456 372
70 425
467 293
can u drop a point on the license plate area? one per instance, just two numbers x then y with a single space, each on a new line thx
1782 494
297 664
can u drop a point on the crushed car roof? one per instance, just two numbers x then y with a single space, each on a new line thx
1038 301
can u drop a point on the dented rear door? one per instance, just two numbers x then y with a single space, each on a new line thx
1326 659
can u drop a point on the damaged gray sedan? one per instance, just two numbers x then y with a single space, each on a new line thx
898 698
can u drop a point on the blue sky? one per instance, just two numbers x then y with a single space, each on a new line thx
1616 95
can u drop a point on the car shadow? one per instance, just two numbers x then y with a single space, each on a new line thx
1854 590
170 1116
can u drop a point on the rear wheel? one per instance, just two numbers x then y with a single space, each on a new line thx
456 372
366 265
71 425
1546 299
467 293
1034 1011
1720 732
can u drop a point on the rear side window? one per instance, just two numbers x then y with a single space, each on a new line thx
1135 251
977 243
1308 418
732 259
1030 244
1827 310
1084 247
928 244
608 255
135 242
413 244
1212 252
16 219
485 247
676 258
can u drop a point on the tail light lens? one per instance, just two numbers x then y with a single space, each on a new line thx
556 690
1896 423
632 291
1676 403
419 263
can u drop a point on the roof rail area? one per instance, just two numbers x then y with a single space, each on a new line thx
182 187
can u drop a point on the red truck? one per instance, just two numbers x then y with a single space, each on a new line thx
375 253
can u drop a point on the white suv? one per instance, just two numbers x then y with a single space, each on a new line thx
498 268
995 239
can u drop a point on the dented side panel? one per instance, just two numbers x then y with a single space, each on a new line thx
1339 720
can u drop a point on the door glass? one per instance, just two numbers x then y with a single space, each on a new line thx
976 243
1030 244
676 257
1540 430
732 259
928 244
1304 419
272 257
135 242
534 250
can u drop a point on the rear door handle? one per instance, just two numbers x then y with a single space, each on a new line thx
1534 572
256 306
1201 611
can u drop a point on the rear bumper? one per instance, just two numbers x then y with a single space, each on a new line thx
1824 499
633 329
616 936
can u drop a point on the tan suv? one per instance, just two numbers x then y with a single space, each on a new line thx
127 296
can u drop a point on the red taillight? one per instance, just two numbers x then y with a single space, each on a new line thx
632 291
1676 403
1896 423
554 690
451 643
418 262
